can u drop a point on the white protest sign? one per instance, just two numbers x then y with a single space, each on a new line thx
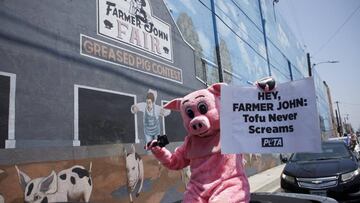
284 120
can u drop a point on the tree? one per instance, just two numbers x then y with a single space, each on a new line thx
226 60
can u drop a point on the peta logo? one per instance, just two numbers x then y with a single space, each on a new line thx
73 184
272 142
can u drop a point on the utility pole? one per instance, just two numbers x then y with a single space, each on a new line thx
309 64
217 44
341 127
265 38
345 124
337 123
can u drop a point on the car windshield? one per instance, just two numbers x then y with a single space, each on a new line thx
329 151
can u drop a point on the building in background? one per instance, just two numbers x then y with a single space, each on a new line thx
324 107
333 124
70 72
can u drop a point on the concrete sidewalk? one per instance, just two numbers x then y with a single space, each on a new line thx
266 181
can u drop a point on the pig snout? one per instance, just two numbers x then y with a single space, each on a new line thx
199 125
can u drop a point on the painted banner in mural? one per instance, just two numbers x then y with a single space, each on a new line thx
132 22
283 120
115 55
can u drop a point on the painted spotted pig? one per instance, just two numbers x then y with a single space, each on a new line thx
73 184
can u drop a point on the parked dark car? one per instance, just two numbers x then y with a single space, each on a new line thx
334 172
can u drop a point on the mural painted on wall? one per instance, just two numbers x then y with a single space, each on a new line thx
240 21
2 175
151 113
46 85
124 178
280 35
174 131
115 55
134 172
133 23
4 109
99 120
110 179
73 184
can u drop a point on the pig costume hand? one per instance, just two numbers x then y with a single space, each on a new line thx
266 84
215 177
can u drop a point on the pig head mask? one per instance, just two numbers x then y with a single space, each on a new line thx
201 119
199 111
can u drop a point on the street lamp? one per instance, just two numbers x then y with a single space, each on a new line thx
315 64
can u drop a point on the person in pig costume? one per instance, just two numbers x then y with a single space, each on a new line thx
215 177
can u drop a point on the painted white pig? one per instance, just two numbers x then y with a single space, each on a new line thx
73 184
135 171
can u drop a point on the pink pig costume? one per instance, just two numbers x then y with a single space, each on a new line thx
215 177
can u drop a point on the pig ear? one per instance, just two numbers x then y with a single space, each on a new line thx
125 152
216 88
49 184
173 105
133 148
90 167
23 178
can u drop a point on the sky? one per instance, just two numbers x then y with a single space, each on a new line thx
319 26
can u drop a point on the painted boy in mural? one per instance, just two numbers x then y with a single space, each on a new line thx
151 115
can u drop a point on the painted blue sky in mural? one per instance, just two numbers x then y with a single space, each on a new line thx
240 29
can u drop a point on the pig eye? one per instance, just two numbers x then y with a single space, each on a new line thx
190 113
202 107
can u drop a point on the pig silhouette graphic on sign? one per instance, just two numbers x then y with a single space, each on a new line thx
108 24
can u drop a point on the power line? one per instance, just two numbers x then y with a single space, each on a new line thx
232 30
243 40
338 30
295 16
290 6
